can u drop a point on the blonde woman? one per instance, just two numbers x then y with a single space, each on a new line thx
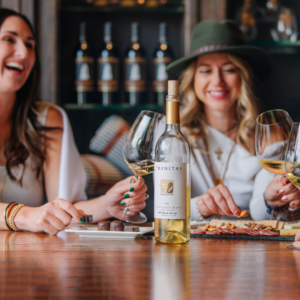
218 116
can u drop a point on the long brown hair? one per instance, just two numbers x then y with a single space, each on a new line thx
193 119
27 137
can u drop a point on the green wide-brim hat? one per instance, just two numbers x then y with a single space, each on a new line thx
212 37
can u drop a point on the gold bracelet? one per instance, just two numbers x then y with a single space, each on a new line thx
7 211
12 217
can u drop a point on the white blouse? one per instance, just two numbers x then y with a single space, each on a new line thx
72 176
245 178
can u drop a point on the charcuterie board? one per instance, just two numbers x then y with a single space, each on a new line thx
287 238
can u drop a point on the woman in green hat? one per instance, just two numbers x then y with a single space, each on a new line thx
218 117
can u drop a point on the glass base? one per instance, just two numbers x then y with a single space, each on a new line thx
138 218
286 213
128 216
292 247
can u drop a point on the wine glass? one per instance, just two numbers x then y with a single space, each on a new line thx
139 154
292 165
271 141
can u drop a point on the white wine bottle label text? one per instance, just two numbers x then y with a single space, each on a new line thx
170 190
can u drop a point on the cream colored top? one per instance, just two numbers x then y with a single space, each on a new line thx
72 176
245 178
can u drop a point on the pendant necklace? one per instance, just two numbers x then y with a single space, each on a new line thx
220 179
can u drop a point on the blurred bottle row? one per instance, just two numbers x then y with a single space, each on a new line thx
284 18
131 3
107 75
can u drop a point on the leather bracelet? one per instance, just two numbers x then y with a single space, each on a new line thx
6 213
269 208
12 216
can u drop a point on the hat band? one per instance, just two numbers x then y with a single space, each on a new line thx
208 48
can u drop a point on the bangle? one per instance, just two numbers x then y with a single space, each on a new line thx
12 216
269 208
7 211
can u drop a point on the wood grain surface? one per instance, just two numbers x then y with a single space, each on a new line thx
39 266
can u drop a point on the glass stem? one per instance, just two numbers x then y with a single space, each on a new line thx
127 208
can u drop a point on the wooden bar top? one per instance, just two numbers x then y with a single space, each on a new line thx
40 266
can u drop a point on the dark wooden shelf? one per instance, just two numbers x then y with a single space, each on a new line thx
114 108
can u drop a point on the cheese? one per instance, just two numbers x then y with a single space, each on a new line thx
288 231
292 226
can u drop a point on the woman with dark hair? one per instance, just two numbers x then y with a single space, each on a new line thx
38 155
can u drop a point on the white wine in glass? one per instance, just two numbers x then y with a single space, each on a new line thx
271 142
292 165
139 154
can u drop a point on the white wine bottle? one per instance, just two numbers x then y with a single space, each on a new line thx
172 177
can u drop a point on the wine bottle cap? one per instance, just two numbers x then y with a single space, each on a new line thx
134 32
172 88
82 31
162 32
107 31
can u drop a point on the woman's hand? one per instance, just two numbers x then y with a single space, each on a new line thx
217 200
130 192
297 240
50 218
281 191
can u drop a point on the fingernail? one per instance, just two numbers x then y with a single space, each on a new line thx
292 204
147 196
122 202
131 189
281 191
126 196
131 180
81 220
287 180
237 212
284 198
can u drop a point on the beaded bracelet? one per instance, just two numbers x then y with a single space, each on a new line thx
12 216
7 211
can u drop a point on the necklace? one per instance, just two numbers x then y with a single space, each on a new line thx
217 180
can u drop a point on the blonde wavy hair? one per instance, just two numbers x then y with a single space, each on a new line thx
193 121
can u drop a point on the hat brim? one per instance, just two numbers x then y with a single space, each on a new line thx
259 60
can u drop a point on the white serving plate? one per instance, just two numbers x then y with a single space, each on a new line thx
92 231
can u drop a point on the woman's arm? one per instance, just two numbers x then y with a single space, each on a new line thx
53 145
114 202
257 206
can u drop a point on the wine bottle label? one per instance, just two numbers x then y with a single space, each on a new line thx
84 74
135 74
108 74
170 190
160 82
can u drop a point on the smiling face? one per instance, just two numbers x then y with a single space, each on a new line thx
17 54
217 82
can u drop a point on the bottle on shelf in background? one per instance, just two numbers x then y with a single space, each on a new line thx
172 177
84 63
135 69
163 55
247 19
108 69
